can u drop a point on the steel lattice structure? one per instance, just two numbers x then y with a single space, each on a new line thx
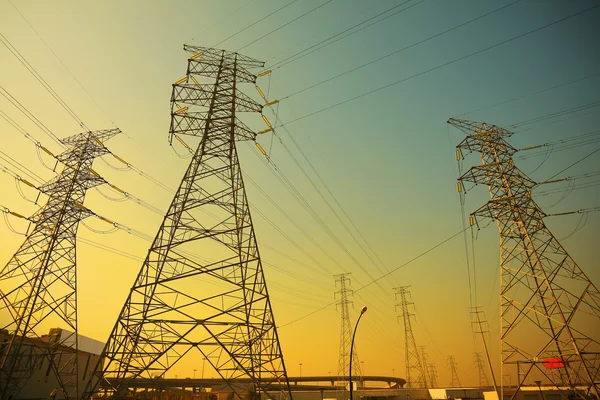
479 363
218 307
344 292
411 352
433 375
550 308
478 328
427 381
454 379
38 286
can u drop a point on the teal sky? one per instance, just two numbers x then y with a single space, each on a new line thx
387 157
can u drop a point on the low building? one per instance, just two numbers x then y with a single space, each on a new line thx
39 351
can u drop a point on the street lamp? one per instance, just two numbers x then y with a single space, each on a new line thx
300 369
539 385
362 311
203 362
194 374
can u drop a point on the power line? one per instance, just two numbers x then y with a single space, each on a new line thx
557 114
82 87
286 24
41 80
379 278
285 61
62 63
25 111
278 287
442 65
17 165
531 94
317 218
315 215
573 164
254 23
560 145
228 14
331 208
568 189
400 50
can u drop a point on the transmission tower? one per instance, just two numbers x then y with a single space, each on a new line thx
454 380
215 308
342 281
38 285
478 327
412 359
550 308
483 379
426 373
433 375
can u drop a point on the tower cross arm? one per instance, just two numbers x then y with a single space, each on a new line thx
215 55
200 95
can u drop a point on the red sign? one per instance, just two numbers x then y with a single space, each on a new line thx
554 362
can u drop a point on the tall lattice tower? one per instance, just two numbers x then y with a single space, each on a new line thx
433 375
342 281
38 286
426 371
480 328
479 363
550 308
415 372
454 379
182 308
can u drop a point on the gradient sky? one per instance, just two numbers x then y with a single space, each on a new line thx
387 157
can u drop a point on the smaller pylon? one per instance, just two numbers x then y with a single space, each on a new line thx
483 379
479 327
426 372
38 285
433 375
343 282
454 379
412 360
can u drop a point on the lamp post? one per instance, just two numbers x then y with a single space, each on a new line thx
203 362
300 369
539 385
362 311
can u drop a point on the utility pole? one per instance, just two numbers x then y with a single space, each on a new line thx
215 306
415 372
342 281
454 379
543 291
38 285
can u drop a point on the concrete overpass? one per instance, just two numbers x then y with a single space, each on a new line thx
304 383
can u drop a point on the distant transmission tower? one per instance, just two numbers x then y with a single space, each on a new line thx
454 379
343 282
38 286
478 327
415 373
483 379
550 308
426 371
215 308
433 375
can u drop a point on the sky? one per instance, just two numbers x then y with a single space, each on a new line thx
372 145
